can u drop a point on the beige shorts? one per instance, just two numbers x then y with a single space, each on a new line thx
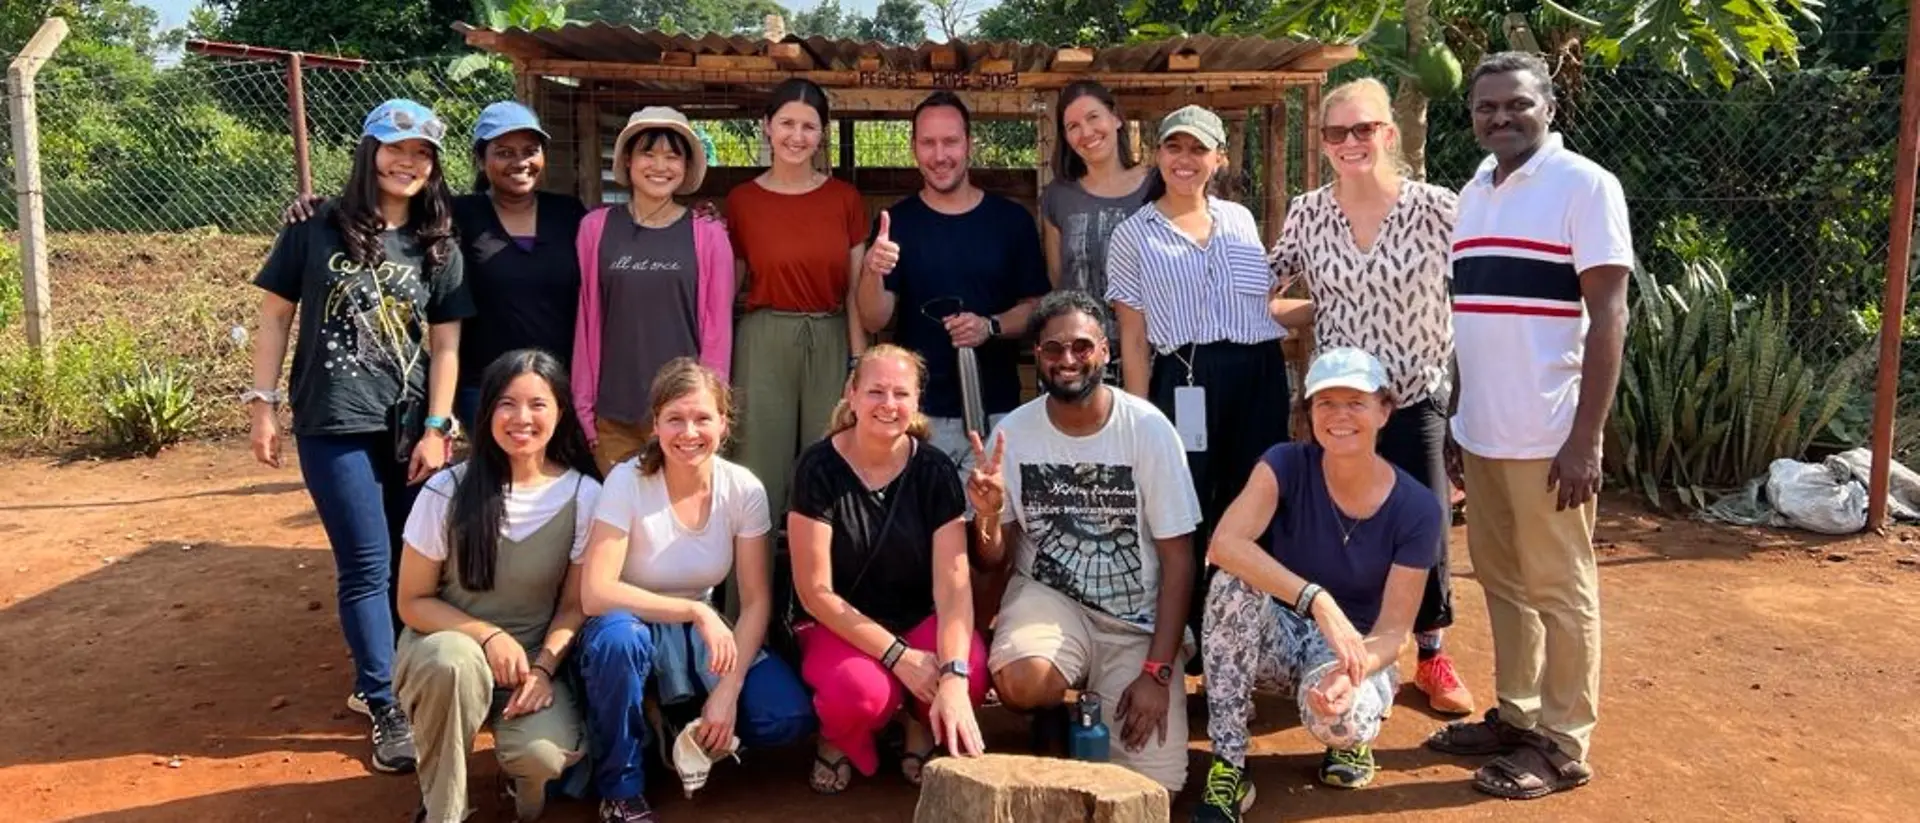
1097 653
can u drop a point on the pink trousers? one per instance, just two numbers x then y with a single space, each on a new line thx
855 696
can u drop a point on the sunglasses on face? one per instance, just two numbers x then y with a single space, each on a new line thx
1335 135
1080 347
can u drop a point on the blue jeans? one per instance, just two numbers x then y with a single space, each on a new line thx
362 497
616 660
466 404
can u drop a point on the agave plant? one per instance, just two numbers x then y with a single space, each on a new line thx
1713 389
150 409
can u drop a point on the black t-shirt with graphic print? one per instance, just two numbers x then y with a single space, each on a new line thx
362 330
887 575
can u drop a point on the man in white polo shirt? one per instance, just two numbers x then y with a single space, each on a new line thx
1541 257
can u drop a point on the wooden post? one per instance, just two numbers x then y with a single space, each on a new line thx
586 134
26 181
1274 180
1310 176
297 117
846 150
1893 307
1045 138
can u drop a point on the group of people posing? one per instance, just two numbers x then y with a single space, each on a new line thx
595 579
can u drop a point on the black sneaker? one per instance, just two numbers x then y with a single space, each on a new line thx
1227 794
635 810
392 740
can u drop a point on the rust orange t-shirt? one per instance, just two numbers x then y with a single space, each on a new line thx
795 245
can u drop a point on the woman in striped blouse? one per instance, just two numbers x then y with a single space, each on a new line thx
1188 279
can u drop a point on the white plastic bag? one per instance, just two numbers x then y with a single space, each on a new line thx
1817 497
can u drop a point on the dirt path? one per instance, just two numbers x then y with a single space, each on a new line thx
183 608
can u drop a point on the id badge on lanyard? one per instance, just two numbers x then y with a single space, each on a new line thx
1190 409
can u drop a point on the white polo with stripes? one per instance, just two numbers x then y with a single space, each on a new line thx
1519 322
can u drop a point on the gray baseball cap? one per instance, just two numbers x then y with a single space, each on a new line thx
1204 125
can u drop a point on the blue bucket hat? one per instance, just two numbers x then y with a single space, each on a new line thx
1345 368
504 117
400 119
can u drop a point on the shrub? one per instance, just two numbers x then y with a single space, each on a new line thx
1713 388
12 284
56 404
150 409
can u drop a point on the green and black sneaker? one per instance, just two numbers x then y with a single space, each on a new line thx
1348 768
1228 794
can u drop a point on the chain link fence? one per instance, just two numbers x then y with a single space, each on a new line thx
1786 187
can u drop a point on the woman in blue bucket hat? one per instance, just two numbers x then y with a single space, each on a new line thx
377 283
518 242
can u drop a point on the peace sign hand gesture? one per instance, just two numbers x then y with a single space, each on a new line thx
986 487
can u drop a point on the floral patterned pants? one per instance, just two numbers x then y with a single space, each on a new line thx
1252 641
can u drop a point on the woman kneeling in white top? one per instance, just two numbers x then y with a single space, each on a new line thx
490 591
671 525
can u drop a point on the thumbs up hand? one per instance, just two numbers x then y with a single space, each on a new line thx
885 253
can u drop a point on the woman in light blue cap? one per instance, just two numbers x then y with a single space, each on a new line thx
377 283
518 241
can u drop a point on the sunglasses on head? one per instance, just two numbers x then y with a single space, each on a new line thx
1335 135
1081 347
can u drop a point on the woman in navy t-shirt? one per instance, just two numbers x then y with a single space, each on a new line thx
1324 605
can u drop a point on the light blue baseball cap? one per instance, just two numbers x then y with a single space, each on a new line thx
504 117
401 119
1345 368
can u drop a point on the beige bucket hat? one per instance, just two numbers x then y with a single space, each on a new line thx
661 117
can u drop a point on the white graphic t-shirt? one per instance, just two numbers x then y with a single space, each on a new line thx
1091 507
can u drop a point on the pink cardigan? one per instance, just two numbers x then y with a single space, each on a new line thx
713 254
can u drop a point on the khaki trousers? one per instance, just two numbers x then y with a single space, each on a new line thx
1537 568
446 689
615 441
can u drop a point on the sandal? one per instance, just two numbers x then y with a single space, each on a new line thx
919 762
1532 771
1478 738
838 773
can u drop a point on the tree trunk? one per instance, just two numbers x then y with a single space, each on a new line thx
1410 104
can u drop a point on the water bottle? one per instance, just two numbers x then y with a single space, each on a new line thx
1087 740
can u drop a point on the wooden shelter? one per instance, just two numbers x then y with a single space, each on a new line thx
585 79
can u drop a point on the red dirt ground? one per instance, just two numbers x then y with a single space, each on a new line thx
182 607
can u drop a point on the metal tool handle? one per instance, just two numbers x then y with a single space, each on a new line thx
973 410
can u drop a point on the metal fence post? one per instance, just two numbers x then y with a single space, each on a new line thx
1893 308
27 186
297 114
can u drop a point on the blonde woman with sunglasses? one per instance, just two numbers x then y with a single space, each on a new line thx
1371 250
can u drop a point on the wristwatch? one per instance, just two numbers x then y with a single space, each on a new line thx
443 425
1162 672
272 397
993 326
957 668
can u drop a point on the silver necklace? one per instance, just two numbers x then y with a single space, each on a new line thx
1339 519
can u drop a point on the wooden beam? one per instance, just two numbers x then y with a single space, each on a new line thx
868 63
700 74
1151 107
501 44
681 59
1324 58
997 65
792 56
1273 179
943 58
586 132
741 62
1183 60
1073 58
863 101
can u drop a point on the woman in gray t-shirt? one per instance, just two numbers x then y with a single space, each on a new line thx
1099 186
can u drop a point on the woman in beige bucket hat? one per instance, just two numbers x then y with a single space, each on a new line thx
656 282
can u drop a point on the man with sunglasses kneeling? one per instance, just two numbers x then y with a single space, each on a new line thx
1099 521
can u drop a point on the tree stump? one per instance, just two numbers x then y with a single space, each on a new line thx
1002 788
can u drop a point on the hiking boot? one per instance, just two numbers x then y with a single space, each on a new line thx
392 740
634 810
1445 693
1347 768
1227 794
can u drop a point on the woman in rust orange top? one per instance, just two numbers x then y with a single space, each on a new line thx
798 235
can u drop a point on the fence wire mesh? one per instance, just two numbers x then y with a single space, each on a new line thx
1786 187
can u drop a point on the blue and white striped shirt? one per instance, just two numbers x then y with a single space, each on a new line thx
1191 294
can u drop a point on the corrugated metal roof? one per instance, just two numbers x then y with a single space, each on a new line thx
607 43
